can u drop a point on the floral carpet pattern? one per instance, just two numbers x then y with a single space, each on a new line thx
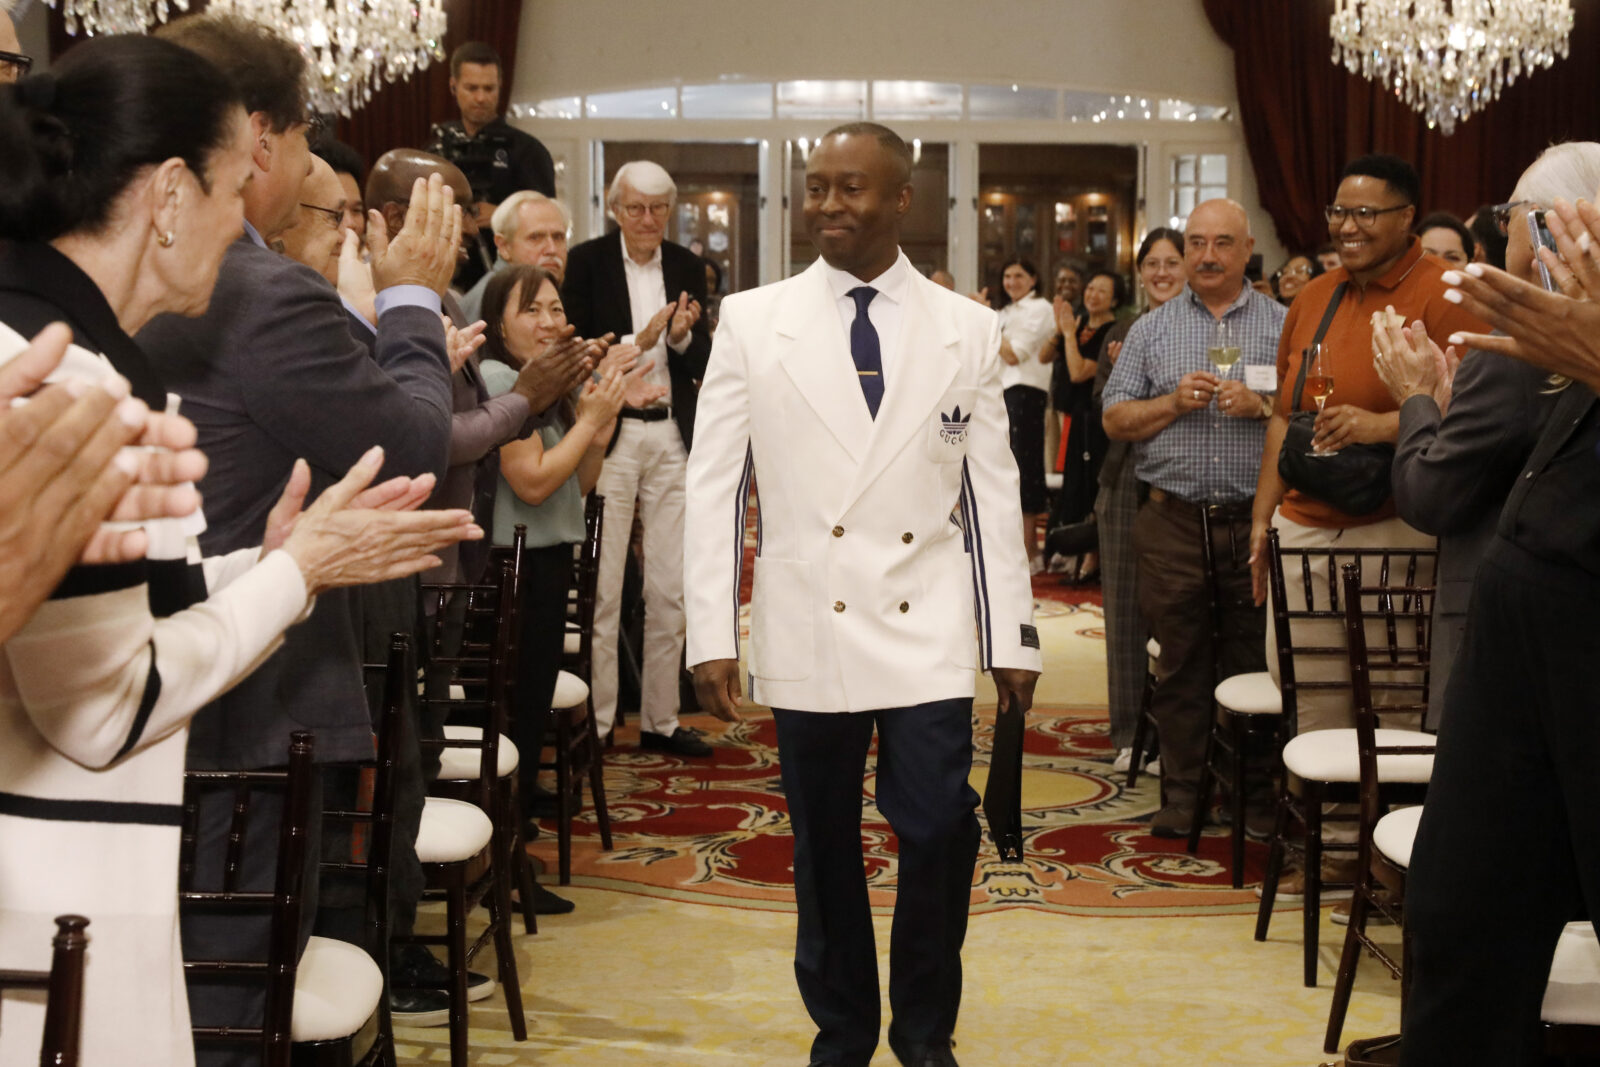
717 832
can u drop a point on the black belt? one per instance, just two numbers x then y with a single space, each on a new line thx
646 414
1232 511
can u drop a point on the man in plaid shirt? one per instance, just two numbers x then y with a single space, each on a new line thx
1199 436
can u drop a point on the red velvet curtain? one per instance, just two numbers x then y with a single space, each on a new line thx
399 115
1304 118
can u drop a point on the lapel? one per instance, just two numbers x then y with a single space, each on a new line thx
923 366
616 280
817 360
1564 419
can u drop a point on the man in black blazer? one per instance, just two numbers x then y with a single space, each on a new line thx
642 288
269 374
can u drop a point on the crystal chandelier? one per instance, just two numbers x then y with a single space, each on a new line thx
1448 59
352 47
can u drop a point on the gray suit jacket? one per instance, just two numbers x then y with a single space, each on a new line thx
1452 475
271 373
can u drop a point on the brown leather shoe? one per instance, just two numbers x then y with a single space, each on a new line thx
1292 883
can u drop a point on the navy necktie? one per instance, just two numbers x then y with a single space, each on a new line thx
864 349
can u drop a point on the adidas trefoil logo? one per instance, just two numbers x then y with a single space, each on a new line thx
953 427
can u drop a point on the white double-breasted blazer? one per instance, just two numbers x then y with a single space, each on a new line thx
888 565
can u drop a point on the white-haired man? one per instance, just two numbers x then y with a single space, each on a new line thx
645 289
14 63
530 228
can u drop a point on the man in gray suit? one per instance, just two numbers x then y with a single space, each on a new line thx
272 373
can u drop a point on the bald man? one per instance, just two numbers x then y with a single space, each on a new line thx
318 228
1199 439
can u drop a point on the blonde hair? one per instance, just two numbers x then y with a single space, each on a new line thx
508 216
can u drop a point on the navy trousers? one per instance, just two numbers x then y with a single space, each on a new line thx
924 758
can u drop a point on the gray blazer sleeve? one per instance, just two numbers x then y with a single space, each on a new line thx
1450 473
479 430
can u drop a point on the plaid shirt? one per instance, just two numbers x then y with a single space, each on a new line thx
1204 455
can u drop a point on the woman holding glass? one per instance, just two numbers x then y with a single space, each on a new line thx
1161 277
1026 327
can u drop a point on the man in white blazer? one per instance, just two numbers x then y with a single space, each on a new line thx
865 402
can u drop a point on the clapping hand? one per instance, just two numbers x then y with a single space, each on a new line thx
553 373
460 344
686 313
426 250
355 278
1411 364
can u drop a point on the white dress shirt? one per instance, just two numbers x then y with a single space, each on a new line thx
884 312
1028 324
647 294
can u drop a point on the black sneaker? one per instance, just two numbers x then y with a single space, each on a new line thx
684 741
419 1007
425 969
545 902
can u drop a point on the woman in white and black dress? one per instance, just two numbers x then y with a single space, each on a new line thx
120 190
1026 326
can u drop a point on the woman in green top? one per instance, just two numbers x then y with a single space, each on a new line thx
543 480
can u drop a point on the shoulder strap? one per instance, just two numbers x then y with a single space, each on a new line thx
1327 318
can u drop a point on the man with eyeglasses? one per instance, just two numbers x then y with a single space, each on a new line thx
645 289
315 236
14 63
1382 269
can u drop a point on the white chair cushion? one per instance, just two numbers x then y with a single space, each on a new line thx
1330 756
451 831
1395 833
457 691
572 643
570 691
458 764
1573 995
1250 694
336 990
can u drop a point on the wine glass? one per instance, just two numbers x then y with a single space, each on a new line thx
1224 350
1319 382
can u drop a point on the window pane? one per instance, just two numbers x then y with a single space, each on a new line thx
1183 201
1212 192
1011 102
822 100
1214 169
1183 170
735 100
916 100
634 104
561 107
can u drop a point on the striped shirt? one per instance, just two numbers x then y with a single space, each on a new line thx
1204 455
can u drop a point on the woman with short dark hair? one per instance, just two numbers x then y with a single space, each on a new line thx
1083 340
1026 330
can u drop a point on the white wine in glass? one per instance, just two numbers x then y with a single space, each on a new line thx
1224 351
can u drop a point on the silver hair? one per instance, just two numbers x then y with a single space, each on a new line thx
1563 171
644 177
508 216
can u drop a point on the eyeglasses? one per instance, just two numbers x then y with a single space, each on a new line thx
1302 271
14 66
636 211
316 126
1364 216
1502 213
334 216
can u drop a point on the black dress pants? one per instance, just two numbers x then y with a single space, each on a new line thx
924 758
1508 850
546 578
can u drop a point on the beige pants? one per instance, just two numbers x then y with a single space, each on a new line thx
1329 709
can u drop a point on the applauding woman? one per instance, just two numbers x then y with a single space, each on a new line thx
1026 325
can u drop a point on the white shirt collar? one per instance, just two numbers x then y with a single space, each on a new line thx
653 261
251 232
891 283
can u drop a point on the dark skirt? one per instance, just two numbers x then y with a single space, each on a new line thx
1025 408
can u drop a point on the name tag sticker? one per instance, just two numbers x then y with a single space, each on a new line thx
1261 379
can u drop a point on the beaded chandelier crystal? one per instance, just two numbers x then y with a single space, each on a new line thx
352 47
1449 59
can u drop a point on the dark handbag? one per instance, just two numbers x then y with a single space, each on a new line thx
1002 794
1355 479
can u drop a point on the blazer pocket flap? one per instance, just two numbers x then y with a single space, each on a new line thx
781 629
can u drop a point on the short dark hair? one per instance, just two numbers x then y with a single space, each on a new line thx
342 158
1154 237
479 52
1119 286
1443 220
1490 239
496 297
77 135
1392 170
267 70
885 137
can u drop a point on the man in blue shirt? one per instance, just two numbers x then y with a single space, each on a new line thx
1199 438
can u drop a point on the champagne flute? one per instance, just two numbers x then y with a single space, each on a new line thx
1319 382
1224 350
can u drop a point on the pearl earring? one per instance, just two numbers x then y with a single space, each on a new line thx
165 240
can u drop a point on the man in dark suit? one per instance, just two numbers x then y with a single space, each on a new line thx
646 290
269 374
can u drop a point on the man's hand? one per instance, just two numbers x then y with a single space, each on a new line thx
355 278
425 250
1194 391
619 357
716 685
646 338
1237 400
559 369
460 344
1345 424
1013 687
685 314
1410 364
397 494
